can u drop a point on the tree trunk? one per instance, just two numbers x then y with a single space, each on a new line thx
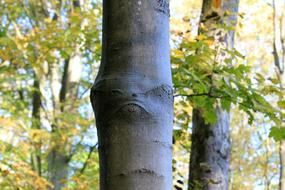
210 149
132 97
57 160
282 165
60 154
279 59
36 123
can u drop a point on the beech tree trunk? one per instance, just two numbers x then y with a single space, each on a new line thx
132 97
210 149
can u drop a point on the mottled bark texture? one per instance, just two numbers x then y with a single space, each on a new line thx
132 97
210 149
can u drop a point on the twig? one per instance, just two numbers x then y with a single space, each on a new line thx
92 148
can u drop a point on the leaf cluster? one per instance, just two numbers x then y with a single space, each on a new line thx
206 81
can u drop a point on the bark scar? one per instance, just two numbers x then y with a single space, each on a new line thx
164 144
141 171
128 104
162 6
132 108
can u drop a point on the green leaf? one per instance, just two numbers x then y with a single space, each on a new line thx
210 116
226 105
238 54
64 54
277 133
2 33
281 104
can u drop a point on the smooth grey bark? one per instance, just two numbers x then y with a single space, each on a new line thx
132 97
210 148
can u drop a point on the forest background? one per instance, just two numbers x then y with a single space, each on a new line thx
43 42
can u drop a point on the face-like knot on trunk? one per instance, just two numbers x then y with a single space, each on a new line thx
132 110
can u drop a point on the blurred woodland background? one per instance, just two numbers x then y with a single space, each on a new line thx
50 52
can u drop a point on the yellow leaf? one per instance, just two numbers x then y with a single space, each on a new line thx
178 53
281 104
201 37
209 42
48 20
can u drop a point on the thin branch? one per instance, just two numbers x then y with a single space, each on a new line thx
92 148
275 49
84 92
217 97
282 40
192 95
72 153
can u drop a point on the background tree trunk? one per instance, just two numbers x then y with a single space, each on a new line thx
279 58
282 165
210 149
60 154
132 97
36 124
59 157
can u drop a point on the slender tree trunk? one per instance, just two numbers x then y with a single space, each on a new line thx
60 155
266 167
57 160
210 149
282 165
36 123
132 97
279 58
58 168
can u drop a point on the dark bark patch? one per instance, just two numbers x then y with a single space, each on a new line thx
132 111
141 171
162 6
147 172
178 188
164 144
117 92
214 15
129 105
162 92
